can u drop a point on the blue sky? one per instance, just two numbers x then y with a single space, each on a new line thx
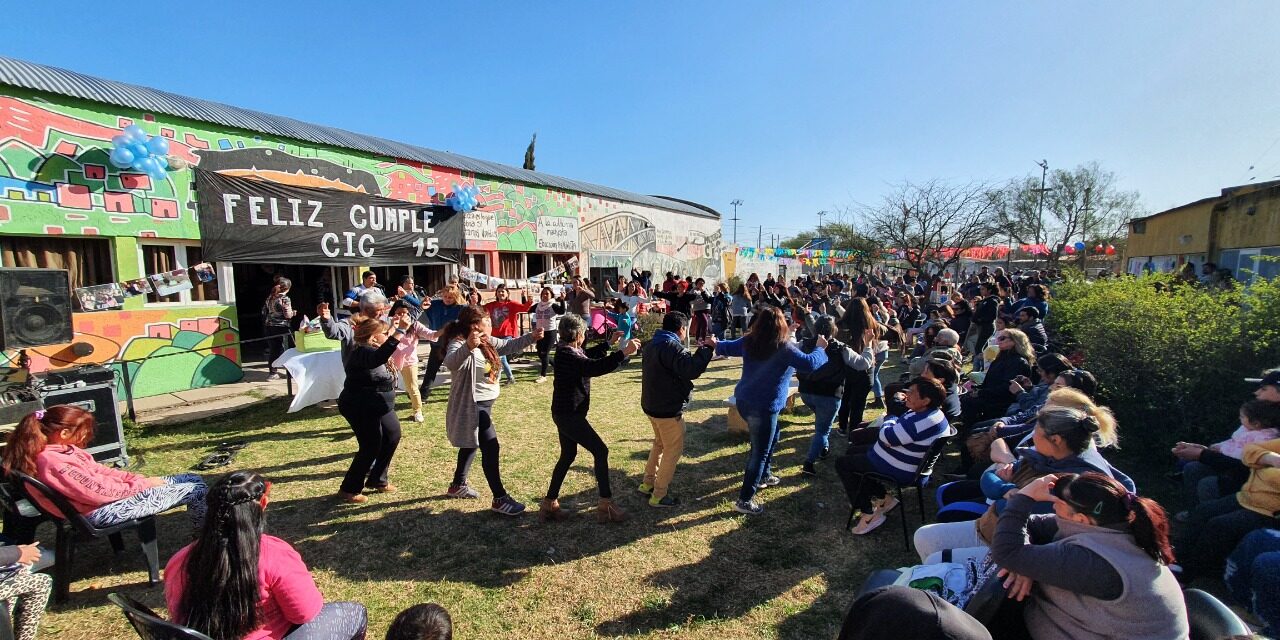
792 107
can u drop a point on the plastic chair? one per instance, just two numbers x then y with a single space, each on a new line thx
151 626
74 527
1212 620
919 481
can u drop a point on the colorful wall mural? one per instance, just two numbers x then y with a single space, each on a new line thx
625 235
55 179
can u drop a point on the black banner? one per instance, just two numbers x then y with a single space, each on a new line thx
247 220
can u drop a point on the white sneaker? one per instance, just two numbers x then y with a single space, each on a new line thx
417 416
273 377
541 379
867 524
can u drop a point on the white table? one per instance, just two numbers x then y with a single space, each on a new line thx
318 376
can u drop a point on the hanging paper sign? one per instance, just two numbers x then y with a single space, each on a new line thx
558 234
246 220
481 226
136 287
170 282
204 272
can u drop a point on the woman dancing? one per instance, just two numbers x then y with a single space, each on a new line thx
368 402
474 358
546 313
570 401
768 361
405 358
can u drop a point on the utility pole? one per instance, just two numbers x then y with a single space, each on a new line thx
735 204
821 215
759 236
1040 214
1084 228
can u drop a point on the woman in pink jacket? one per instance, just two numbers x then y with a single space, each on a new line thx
235 581
47 445
405 358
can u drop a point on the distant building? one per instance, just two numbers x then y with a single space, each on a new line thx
1230 229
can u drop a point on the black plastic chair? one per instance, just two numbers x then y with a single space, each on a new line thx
1212 620
74 527
919 481
151 626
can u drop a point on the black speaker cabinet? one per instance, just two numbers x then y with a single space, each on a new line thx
107 444
35 307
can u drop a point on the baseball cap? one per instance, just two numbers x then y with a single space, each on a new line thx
1271 377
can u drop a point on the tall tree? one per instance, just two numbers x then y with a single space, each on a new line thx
931 222
528 153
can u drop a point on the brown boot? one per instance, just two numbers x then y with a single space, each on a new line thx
550 511
608 511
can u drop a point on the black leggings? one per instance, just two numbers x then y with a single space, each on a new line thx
544 351
372 417
857 384
280 340
434 361
574 430
488 456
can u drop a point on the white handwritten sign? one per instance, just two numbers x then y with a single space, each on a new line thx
558 234
481 225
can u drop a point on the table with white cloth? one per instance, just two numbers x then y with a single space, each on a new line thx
318 374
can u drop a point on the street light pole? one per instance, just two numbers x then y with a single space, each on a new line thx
1084 230
1044 173
735 204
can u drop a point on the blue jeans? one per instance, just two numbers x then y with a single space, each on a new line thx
764 437
877 389
506 369
1201 481
824 413
1253 575
717 330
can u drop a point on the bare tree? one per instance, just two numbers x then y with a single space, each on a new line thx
931 222
1085 204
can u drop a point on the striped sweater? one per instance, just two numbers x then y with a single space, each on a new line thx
904 441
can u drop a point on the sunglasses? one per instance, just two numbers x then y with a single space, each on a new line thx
1001 338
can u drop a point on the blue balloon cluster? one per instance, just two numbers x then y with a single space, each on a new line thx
463 198
134 149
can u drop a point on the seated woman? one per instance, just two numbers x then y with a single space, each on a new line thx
1064 442
899 448
991 398
46 445
1215 527
1096 568
235 581
26 592
1253 577
1028 400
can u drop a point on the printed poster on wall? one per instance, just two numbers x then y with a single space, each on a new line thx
558 234
171 282
481 226
100 297
247 220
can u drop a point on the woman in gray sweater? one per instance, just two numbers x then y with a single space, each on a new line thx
1096 568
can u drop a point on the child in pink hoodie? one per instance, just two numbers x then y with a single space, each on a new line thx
47 446
405 358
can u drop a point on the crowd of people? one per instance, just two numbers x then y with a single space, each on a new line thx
1035 503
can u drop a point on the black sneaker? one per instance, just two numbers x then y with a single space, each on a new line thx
666 501
808 470
826 451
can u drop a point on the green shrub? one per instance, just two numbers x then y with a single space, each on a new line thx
1170 358
646 325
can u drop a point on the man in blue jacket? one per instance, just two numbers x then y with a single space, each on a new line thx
668 371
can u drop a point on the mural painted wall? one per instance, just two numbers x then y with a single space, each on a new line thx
625 235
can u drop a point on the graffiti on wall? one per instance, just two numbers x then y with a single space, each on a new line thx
166 350
650 239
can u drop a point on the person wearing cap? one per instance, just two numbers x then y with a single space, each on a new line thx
1098 567
1268 389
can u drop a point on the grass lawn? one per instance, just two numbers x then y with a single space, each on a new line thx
697 571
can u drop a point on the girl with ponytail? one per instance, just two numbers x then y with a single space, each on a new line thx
1099 565
235 581
473 355
48 445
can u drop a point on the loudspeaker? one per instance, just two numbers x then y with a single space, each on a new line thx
35 307
107 444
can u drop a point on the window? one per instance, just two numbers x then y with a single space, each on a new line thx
88 260
161 258
511 265
1139 226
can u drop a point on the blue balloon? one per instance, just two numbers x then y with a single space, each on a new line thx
162 162
158 146
139 150
158 175
121 157
135 134
455 187
147 165
120 141
1079 246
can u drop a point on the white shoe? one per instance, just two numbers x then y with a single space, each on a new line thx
541 379
867 524
417 416
273 377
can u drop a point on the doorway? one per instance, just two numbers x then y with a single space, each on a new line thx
253 282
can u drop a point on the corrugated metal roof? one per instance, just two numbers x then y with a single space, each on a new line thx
38 77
